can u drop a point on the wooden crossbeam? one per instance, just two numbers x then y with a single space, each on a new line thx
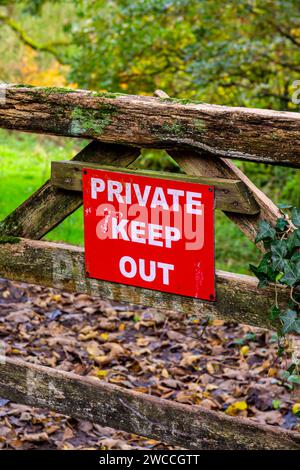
188 426
208 165
246 134
62 266
49 205
231 195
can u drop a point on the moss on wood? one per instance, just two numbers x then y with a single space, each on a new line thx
9 225
20 85
199 125
230 133
106 94
176 128
52 89
179 101
96 120
9 239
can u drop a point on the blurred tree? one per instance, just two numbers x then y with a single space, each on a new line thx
31 42
241 52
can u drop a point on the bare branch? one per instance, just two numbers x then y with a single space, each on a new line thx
28 41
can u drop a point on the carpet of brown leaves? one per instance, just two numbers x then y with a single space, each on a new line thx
223 366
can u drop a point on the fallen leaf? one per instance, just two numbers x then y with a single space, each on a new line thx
101 373
244 351
236 407
116 350
188 360
36 437
209 404
104 336
68 434
93 349
296 408
18 317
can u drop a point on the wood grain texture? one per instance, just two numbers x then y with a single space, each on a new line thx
49 205
188 426
62 266
243 133
231 195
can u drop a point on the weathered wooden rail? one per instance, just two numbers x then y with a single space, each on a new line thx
62 266
188 426
251 134
197 136
231 195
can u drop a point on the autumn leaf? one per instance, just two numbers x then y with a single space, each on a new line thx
296 409
189 360
236 407
244 351
93 349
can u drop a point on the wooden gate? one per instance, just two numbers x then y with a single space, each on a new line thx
200 137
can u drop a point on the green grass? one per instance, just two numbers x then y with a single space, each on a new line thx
25 165
25 161
234 251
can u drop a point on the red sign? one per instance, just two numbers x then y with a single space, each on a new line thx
149 232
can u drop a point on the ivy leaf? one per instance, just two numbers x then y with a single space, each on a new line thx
285 374
276 404
265 232
264 271
295 257
291 275
279 251
296 217
281 224
295 379
293 241
262 277
297 326
274 313
291 322
283 205
292 368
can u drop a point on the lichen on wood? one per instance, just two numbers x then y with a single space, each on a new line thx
96 120
199 125
49 90
176 128
9 239
180 100
106 94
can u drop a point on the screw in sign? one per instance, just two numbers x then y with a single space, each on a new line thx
149 232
